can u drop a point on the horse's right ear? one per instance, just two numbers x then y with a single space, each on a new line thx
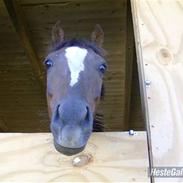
97 35
57 34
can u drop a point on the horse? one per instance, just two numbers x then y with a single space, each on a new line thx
75 71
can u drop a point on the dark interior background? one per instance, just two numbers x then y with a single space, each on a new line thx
22 99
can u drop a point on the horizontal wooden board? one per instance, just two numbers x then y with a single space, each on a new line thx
113 157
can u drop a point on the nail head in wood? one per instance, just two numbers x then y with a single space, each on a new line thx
148 82
131 132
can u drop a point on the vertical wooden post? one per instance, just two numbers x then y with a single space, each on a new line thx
159 43
128 64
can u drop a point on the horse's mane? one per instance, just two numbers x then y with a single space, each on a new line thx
82 43
98 125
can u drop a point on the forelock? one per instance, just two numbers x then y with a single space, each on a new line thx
82 43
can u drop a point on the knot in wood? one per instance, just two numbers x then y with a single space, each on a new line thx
165 56
82 160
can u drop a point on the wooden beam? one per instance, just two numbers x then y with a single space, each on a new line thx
108 157
159 43
16 16
130 51
3 126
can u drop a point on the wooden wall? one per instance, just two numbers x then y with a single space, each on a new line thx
23 104
159 43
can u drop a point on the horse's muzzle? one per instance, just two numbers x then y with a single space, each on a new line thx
66 150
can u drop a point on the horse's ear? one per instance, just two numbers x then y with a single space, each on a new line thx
57 33
97 35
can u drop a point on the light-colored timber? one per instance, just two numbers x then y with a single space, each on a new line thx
158 27
113 157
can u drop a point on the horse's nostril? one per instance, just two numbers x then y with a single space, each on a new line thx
58 109
87 113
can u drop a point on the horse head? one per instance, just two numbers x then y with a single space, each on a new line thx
75 70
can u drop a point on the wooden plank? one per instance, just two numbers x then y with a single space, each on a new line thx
17 18
137 121
23 105
53 2
159 42
113 158
128 65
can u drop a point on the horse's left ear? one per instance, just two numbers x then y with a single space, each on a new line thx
57 33
97 35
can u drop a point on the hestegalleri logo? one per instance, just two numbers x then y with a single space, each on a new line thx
166 172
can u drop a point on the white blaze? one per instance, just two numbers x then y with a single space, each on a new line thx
75 58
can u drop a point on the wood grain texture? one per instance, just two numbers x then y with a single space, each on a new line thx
159 40
17 19
23 104
136 120
114 157
130 48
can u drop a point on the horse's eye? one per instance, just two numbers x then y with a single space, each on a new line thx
48 63
103 68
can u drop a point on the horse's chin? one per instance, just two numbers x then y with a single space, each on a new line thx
66 150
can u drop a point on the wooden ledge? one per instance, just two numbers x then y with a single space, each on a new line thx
112 156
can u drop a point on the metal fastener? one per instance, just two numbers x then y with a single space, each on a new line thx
131 132
148 82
